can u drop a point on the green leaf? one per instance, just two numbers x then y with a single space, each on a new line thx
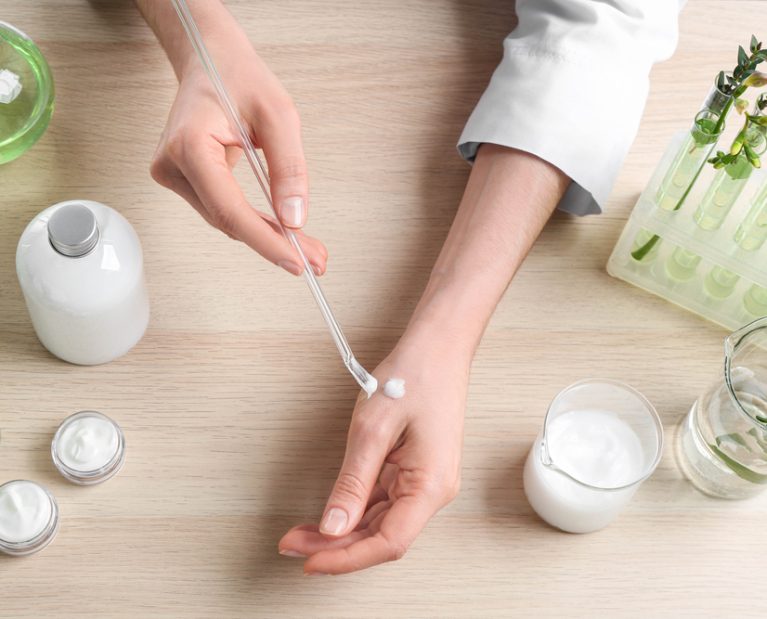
754 44
742 56
720 80
761 121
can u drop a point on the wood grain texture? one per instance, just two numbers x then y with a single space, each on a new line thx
235 404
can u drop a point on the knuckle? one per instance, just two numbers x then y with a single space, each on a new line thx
397 550
176 145
370 431
179 144
157 170
289 167
349 486
224 221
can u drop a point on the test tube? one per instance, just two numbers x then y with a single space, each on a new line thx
729 182
720 282
752 231
704 134
755 300
682 263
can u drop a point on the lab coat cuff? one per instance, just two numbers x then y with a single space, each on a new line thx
577 112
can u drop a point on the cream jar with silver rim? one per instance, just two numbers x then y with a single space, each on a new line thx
88 448
29 517
80 267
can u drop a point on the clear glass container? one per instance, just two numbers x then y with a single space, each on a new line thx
695 150
601 439
729 182
26 93
720 282
686 165
755 300
752 231
88 448
682 264
29 518
722 441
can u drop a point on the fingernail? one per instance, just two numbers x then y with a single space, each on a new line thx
290 267
292 211
334 522
291 553
317 270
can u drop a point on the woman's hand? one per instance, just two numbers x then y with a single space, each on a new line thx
402 464
198 148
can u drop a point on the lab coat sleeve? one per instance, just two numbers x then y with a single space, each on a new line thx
571 88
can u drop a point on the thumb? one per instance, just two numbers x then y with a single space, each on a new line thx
288 177
365 453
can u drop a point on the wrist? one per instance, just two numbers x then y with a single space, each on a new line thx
219 30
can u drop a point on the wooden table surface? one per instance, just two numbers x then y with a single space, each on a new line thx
235 404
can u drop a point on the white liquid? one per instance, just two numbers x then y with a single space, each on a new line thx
394 388
87 444
595 447
25 511
86 310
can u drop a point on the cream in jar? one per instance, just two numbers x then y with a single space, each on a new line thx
29 517
88 448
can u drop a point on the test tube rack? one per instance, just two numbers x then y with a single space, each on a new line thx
704 271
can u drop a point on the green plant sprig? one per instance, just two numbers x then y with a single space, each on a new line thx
743 76
740 146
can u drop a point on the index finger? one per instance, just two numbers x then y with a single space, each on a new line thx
399 528
205 167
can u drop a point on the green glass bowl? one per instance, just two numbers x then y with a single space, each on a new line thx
26 93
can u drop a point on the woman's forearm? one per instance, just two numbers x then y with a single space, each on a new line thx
216 23
508 200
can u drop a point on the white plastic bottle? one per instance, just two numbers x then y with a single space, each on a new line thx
81 270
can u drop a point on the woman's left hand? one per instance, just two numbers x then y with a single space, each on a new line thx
402 464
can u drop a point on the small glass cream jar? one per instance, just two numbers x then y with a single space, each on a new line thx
29 518
88 448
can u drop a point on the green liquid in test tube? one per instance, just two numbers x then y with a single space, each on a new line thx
689 161
720 282
722 194
729 182
755 300
682 263
687 164
752 232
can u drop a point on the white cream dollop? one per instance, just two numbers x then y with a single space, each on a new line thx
88 443
394 388
25 511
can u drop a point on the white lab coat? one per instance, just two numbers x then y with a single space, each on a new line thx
572 86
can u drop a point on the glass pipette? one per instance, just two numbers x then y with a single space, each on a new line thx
366 380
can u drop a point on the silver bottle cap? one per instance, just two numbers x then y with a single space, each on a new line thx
73 230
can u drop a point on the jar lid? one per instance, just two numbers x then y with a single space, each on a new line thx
73 230
26 92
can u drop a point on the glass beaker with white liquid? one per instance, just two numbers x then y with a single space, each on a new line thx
722 441
601 439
